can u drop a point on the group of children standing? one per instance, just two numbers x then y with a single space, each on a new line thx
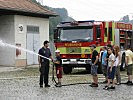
111 61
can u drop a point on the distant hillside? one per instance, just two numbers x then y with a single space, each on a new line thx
62 12
127 19
63 16
54 21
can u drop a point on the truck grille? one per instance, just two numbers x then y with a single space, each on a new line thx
73 50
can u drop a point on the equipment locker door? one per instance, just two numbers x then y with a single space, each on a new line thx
33 44
29 47
36 46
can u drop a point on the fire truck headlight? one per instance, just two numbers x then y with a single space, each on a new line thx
83 56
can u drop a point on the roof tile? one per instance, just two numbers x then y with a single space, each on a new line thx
24 6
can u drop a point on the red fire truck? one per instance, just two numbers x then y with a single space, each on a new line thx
74 38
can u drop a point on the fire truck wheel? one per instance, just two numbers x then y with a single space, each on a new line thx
67 69
88 68
99 70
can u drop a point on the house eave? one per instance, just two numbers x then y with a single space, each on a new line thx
25 13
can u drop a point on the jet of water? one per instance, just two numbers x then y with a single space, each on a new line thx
3 44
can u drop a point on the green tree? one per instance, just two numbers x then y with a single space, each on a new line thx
125 19
54 21
34 1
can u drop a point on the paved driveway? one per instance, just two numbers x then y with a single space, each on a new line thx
23 85
28 89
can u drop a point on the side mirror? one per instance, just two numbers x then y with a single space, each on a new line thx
56 35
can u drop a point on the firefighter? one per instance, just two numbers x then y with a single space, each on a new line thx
44 64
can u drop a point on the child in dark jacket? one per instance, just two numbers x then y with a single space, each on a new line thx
58 65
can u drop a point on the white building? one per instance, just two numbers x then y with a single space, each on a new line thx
24 24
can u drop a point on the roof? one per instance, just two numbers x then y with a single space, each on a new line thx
24 7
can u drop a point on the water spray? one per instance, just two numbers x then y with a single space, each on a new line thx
4 44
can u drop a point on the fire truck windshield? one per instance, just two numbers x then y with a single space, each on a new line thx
76 34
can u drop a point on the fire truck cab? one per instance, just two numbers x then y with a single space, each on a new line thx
74 38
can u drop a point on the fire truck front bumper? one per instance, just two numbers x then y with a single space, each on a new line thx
76 61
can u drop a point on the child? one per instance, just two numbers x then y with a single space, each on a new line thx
111 70
104 64
129 64
117 64
94 66
58 63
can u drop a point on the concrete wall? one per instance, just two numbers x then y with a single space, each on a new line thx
7 55
20 36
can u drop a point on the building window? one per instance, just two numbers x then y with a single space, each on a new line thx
32 29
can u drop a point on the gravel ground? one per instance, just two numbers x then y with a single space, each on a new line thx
23 85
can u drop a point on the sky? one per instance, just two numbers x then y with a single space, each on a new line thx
99 10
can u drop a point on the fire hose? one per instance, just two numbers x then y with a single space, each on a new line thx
53 78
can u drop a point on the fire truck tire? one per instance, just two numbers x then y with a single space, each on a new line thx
67 69
88 68
99 70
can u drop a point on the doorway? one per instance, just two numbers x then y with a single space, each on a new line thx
33 44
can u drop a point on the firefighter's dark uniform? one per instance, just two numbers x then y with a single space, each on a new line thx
44 69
